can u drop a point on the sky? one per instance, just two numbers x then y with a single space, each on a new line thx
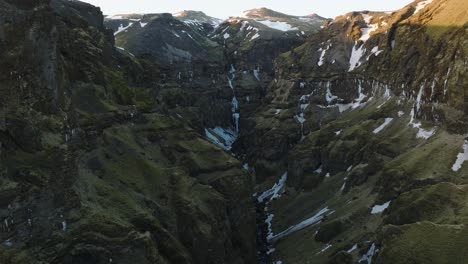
225 8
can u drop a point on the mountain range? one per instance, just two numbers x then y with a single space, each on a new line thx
262 138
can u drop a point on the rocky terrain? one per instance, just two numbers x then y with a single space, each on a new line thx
93 168
368 120
263 138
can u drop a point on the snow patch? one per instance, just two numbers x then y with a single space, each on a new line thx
319 170
275 191
278 25
322 55
365 32
356 54
8 243
255 36
422 133
327 246
377 209
122 29
375 51
367 18
114 17
344 107
222 137
421 5
256 74
369 255
175 34
461 157
419 98
381 127
352 249
315 219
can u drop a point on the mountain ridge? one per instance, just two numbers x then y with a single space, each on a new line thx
152 138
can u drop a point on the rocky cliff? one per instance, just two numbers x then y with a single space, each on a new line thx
368 120
93 167
264 138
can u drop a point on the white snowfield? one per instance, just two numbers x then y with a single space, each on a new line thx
358 102
369 255
375 51
278 25
358 51
365 32
377 209
421 5
356 54
327 246
315 219
422 133
122 29
275 191
222 137
461 157
322 55
114 17
355 246
381 127
255 36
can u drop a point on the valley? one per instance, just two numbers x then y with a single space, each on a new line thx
261 138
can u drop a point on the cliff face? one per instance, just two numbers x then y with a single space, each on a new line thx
360 52
93 169
352 137
214 75
366 114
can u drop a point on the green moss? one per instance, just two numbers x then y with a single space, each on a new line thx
15 257
424 243
330 230
92 99
436 203
116 83
52 139
432 159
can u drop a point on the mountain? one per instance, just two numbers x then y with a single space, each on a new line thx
197 55
197 18
94 168
284 22
263 138
367 119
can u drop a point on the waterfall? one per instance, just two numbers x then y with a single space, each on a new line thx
234 102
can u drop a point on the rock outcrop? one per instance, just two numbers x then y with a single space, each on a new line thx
346 142
93 168
367 113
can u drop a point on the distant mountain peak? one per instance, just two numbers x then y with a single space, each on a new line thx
196 16
263 12
186 13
